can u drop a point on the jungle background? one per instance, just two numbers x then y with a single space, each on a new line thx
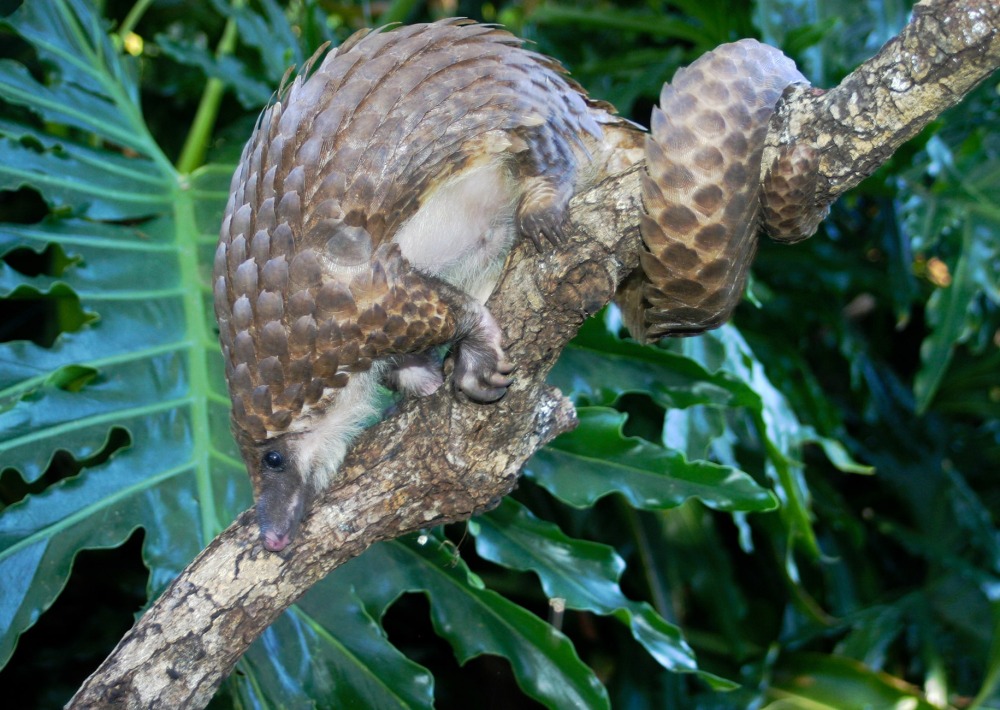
796 510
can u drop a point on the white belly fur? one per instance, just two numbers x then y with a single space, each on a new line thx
463 231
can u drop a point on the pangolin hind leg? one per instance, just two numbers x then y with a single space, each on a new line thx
481 366
418 374
702 189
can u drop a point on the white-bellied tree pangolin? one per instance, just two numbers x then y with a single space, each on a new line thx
375 203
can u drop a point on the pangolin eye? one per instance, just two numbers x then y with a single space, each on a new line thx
274 460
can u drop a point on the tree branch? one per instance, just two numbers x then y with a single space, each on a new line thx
946 50
443 458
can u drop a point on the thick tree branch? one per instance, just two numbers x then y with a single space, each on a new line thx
445 459
946 50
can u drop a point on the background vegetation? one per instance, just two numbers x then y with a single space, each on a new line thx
795 511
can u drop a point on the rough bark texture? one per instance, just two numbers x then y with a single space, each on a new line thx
443 458
948 48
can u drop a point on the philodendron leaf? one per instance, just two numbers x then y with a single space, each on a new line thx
596 459
472 619
583 574
328 652
136 395
695 380
597 367
780 434
812 680
250 90
146 420
271 34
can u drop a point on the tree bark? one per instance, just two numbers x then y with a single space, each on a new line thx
946 50
443 458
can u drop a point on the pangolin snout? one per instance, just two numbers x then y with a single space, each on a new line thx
279 517
275 541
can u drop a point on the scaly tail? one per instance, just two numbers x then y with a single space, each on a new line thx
702 190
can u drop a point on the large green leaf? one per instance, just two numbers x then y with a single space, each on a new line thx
474 620
139 239
695 381
595 460
328 652
584 369
583 574
780 434
120 212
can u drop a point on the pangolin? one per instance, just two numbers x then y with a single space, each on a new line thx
375 203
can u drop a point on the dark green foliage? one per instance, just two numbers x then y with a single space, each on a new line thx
795 511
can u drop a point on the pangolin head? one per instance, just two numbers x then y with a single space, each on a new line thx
281 489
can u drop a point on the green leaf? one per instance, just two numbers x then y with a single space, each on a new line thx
948 310
584 574
836 453
251 90
127 223
991 678
273 34
621 21
872 633
300 660
595 460
959 217
671 379
780 433
472 619
814 681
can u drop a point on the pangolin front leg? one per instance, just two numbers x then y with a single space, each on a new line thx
419 374
481 365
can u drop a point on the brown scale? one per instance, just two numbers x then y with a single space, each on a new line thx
788 195
308 287
702 188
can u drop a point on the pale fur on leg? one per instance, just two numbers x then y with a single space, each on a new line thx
320 436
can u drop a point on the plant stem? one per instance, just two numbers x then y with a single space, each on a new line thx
659 594
133 17
193 153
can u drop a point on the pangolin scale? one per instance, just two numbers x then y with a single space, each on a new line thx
375 203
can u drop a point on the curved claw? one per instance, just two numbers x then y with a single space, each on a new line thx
481 365
542 209
484 395
536 226
484 385
554 234
498 380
